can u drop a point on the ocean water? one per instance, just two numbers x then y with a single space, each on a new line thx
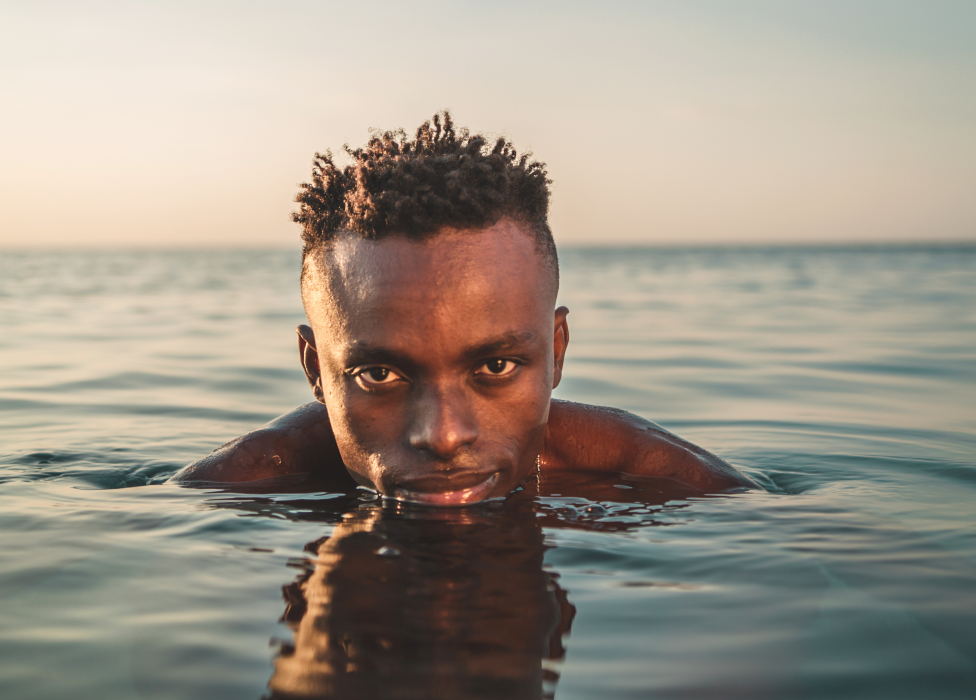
842 380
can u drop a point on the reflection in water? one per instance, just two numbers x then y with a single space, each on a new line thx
404 602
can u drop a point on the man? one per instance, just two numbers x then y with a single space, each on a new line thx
429 279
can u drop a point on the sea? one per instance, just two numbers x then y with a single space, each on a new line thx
841 379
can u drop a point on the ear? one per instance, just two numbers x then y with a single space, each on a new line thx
310 361
560 339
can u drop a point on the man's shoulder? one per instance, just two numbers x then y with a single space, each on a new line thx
601 438
581 425
256 456
298 443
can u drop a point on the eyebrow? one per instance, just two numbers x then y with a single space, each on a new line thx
361 352
507 342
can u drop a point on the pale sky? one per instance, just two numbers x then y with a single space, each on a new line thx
192 123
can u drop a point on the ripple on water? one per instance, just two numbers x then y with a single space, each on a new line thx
111 468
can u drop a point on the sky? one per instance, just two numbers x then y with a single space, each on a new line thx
182 124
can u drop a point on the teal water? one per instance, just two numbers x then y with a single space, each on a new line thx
843 380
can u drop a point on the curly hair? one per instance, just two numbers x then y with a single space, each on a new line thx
443 177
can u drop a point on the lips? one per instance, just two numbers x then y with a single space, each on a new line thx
449 490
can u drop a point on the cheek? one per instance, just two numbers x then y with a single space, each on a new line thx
521 418
356 446
363 427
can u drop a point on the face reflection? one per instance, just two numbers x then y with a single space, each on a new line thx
436 359
426 604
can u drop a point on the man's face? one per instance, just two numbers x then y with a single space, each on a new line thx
436 359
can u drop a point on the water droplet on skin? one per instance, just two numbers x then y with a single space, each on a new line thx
388 551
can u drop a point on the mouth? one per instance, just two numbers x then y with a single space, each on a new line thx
444 491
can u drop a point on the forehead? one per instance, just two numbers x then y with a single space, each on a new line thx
454 278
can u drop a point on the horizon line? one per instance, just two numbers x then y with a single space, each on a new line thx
947 243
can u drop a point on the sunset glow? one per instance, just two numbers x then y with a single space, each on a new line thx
190 124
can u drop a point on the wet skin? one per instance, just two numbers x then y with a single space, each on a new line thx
432 363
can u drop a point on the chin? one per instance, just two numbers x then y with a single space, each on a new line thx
478 491
459 486
468 479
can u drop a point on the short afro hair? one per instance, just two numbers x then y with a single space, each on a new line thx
443 177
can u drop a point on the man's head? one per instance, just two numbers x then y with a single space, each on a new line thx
444 177
429 280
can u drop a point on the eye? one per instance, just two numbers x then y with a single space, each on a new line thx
377 376
497 368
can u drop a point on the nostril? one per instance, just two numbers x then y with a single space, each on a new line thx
443 423
441 439
443 444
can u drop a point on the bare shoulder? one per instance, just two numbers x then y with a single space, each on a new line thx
598 438
298 443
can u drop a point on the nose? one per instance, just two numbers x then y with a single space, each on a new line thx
443 423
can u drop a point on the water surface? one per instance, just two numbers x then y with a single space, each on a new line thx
843 380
